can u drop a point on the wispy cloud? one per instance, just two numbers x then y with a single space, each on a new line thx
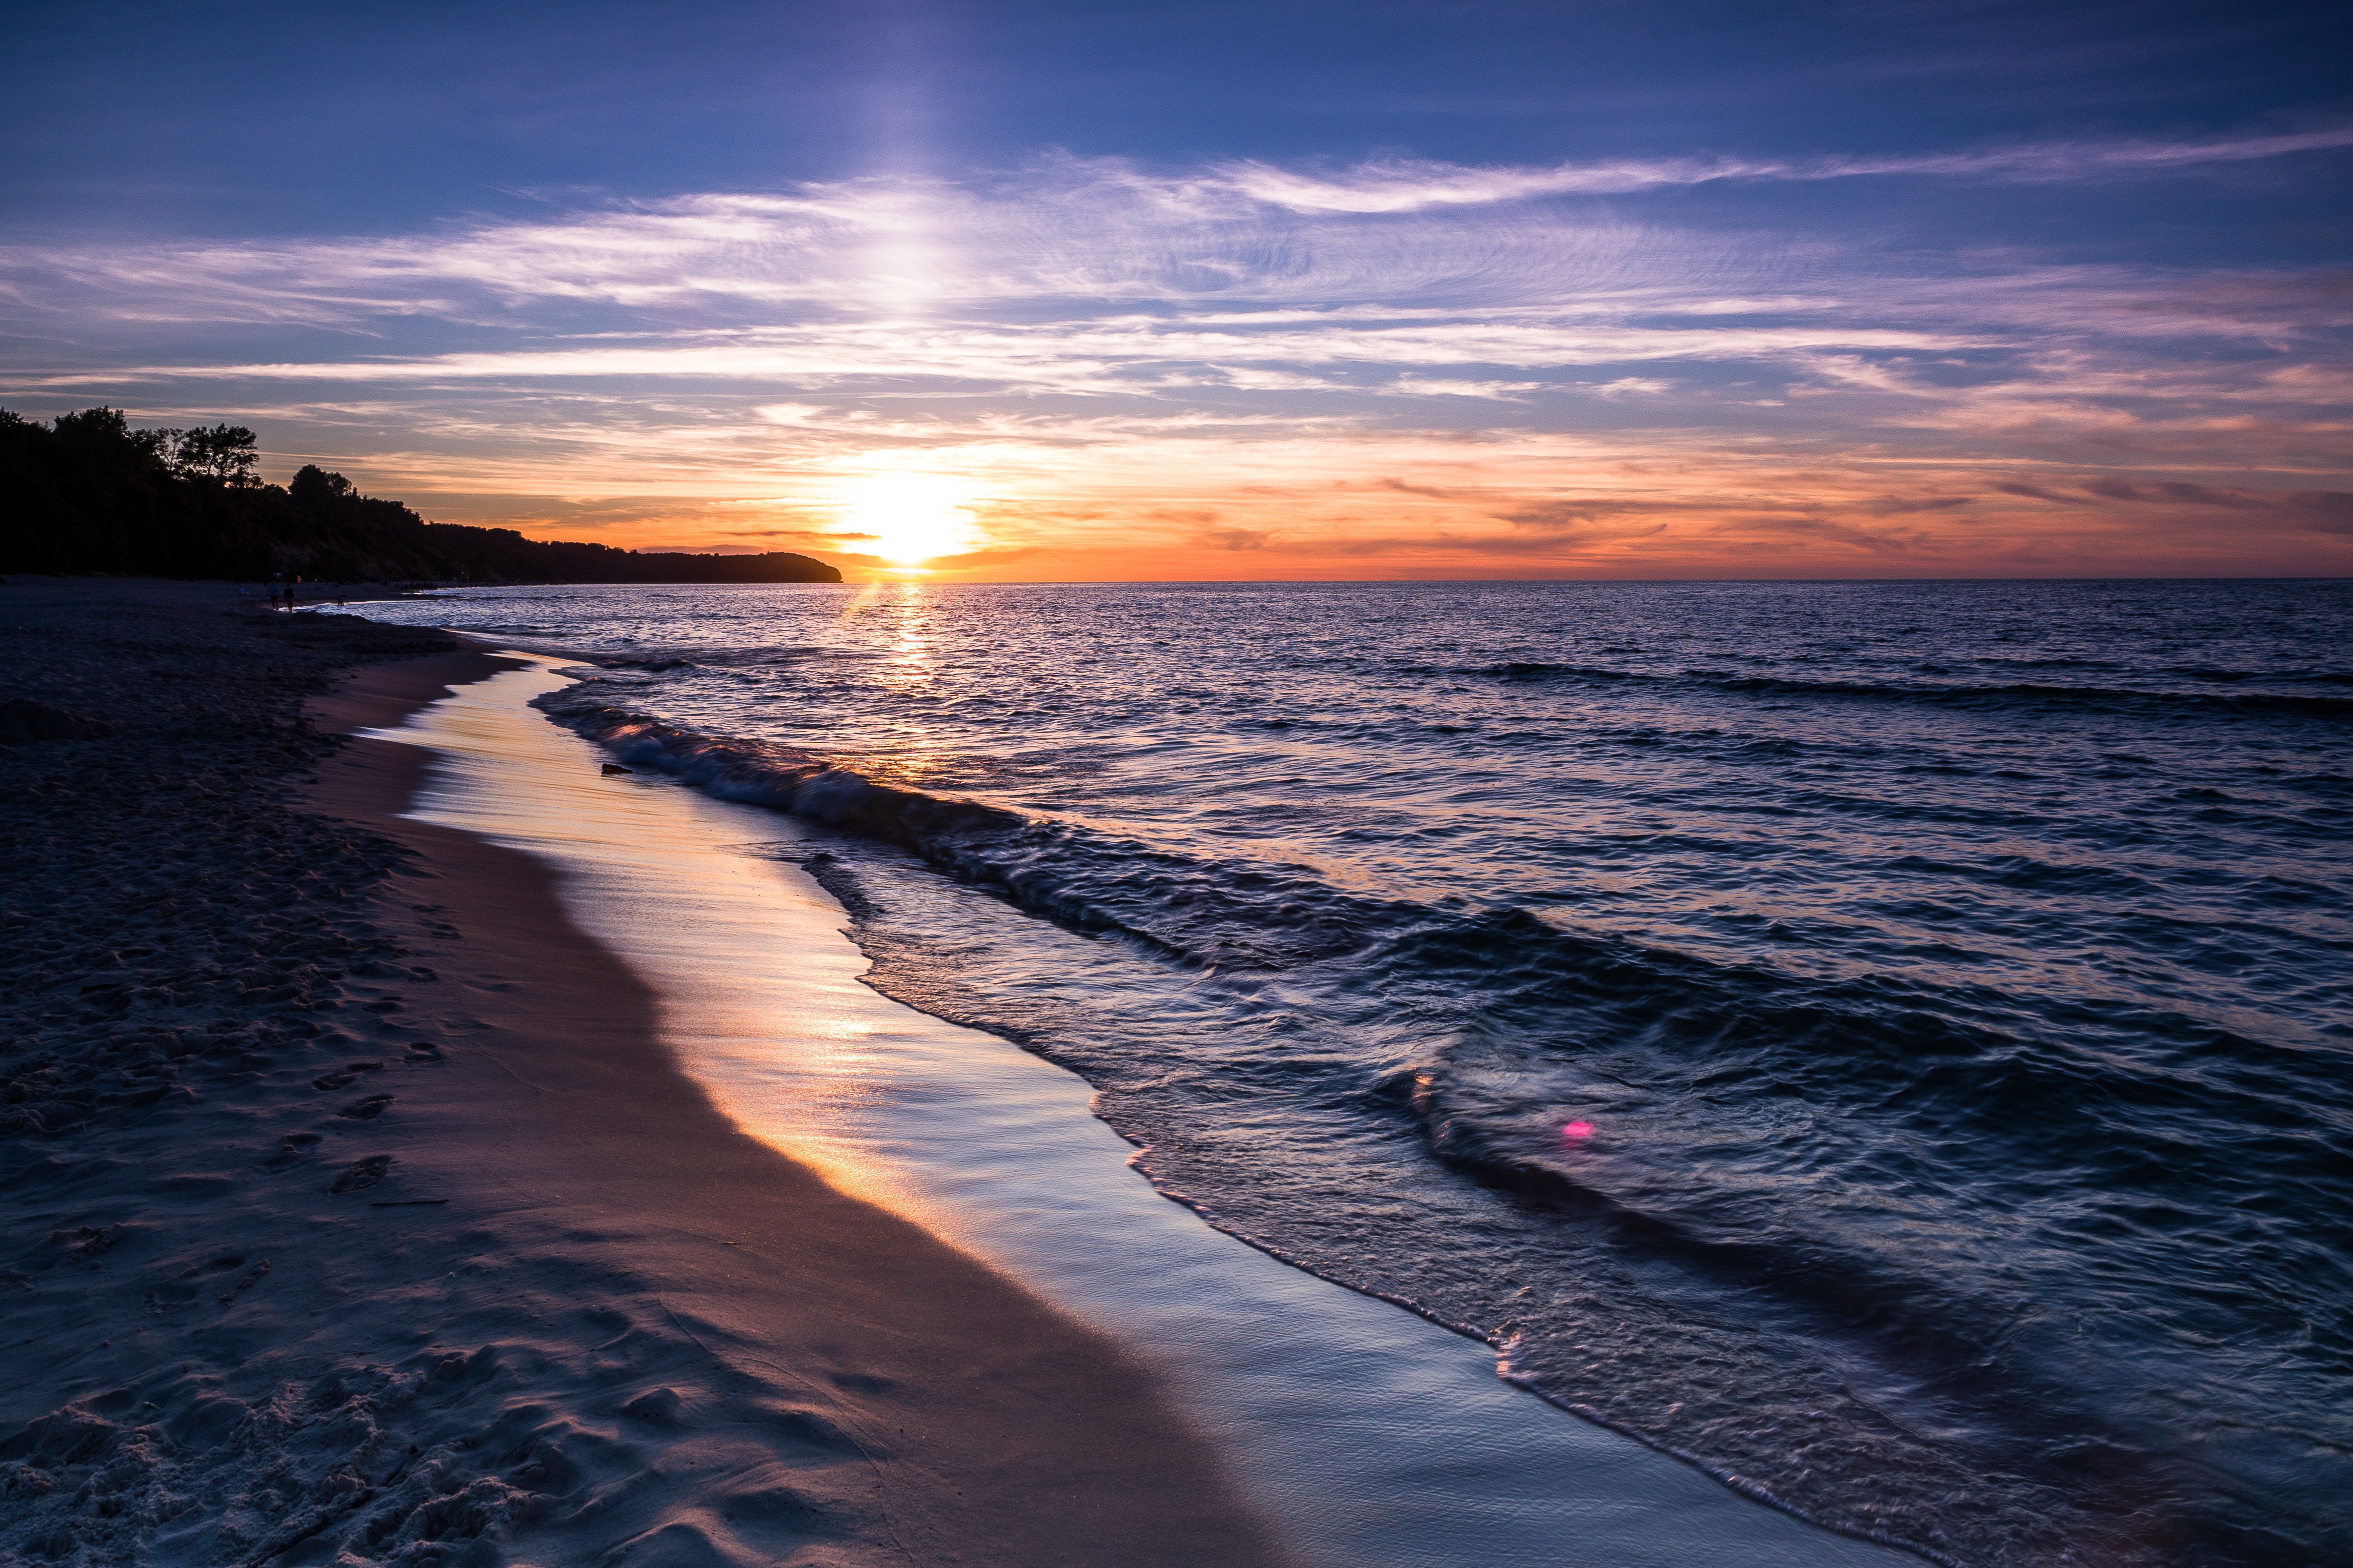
1413 185
1218 358
1061 228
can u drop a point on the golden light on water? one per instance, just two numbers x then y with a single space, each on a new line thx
913 518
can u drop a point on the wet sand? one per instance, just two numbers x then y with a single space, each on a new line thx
1377 1437
424 1250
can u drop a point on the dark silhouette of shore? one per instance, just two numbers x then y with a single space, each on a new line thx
87 494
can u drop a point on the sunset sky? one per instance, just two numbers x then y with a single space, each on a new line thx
1222 291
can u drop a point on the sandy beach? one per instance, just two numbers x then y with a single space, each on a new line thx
358 1213
987 783
1377 1437
441 1129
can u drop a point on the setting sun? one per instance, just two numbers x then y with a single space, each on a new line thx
911 517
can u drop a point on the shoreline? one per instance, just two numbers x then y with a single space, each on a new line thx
1370 1431
578 1310
1070 1441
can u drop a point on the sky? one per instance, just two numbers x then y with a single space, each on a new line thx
1017 291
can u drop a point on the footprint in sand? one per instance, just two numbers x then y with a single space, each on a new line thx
171 1295
291 1148
360 1175
252 1277
84 1242
656 1407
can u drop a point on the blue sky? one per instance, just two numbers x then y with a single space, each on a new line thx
1229 290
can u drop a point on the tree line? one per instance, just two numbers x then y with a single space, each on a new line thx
86 493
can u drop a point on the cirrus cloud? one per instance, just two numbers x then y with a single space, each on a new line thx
1103 351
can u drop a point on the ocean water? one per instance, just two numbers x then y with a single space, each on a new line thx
1886 1043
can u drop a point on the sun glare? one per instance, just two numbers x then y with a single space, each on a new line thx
913 516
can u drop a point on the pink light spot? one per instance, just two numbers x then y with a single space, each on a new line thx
1577 1130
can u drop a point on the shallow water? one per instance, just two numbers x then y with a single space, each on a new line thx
1887 1041
1370 1439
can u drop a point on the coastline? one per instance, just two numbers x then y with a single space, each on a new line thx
1371 1431
561 1305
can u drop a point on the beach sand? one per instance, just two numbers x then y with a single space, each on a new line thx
356 1212
1375 1435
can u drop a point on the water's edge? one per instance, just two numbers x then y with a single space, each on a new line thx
1378 1433
1874 1044
848 803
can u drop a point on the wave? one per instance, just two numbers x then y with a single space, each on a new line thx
722 658
664 664
1513 997
1695 1182
1198 914
1931 1179
1959 695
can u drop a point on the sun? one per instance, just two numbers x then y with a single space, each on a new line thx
913 516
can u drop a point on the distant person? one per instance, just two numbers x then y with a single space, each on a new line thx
291 580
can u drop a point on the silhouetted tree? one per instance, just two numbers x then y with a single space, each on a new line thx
314 489
85 493
223 454
102 438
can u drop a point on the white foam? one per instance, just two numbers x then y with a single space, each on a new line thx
1374 1438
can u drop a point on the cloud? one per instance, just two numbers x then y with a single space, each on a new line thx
1551 517
1441 387
807 535
1630 386
902 249
2324 512
1234 537
1404 185
2038 492
2175 494
1899 506
1111 353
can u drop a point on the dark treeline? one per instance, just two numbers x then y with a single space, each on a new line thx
86 493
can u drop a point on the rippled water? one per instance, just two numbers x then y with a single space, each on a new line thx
1886 1042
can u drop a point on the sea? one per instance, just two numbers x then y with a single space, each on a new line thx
1888 1044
